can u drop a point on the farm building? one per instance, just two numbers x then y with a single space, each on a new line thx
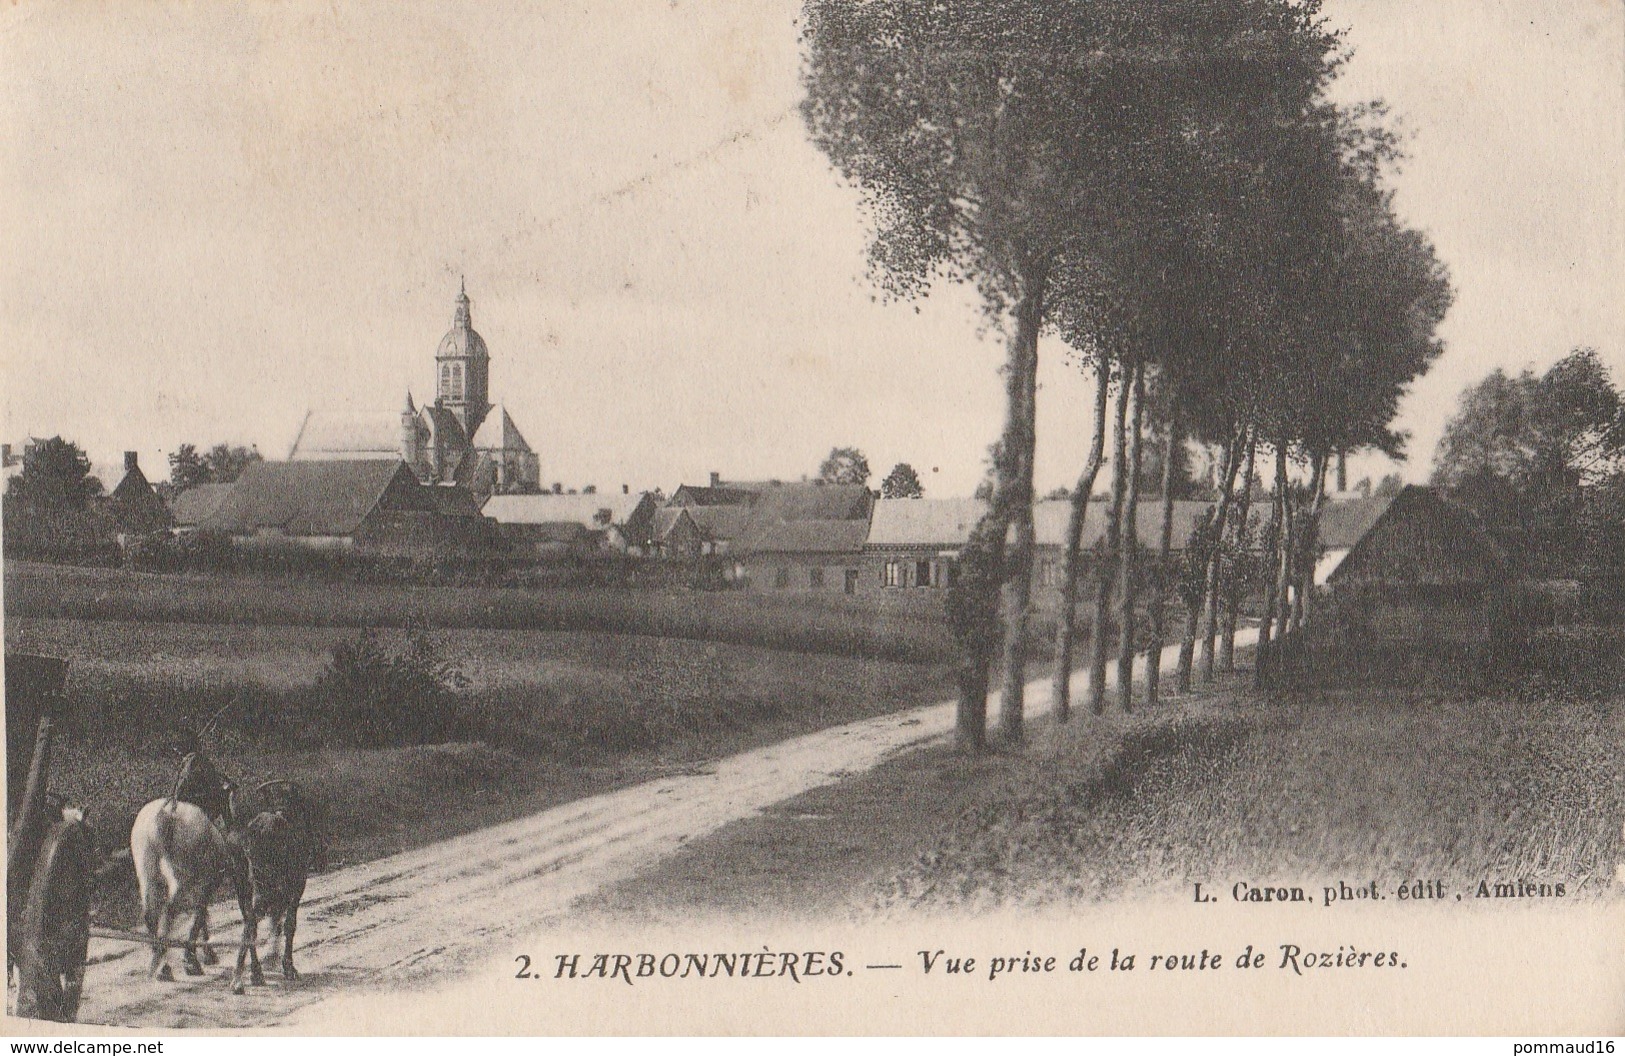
1422 585
1421 542
373 505
805 537
622 521
915 543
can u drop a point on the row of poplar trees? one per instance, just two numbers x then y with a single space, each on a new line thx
1166 186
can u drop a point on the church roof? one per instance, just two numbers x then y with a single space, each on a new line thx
498 433
327 435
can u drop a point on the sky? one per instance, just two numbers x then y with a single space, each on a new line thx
214 217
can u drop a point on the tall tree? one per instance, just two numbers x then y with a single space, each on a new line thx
1109 553
1128 536
902 483
844 465
1072 559
187 468
55 475
994 139
1523 450
226 462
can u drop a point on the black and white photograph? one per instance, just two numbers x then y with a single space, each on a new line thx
814 517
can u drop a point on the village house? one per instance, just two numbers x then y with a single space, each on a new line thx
461 438
546 523
804 537
915 543
720 493
134 505
370 505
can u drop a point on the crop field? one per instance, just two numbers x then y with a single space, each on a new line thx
1381 786
906 628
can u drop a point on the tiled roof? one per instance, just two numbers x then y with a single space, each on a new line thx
306 498
586 510
720 522
947 523
808 537
194 504
699 495
928 522
813 502
665 519
1344 522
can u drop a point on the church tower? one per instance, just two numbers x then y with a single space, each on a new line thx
463 370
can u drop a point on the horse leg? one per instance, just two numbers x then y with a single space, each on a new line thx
200 926
160 951
153 910
201 931
245 950
288 971
273 956
256 974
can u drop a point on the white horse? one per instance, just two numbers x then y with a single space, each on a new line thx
180 857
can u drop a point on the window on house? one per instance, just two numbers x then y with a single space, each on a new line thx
815 578
922 573
456 392
781 580
892 574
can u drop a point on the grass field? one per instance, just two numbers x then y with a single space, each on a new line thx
1357 784
1221 786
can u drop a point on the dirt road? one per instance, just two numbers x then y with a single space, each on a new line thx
447 906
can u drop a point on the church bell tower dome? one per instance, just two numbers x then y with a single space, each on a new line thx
463 369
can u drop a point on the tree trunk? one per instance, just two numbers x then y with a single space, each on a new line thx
1307 531
1236 591
1159 604
1215 564
970 714
1187 650
1277 518
1342 472
1017 593
1012 490
1283 571
1072 570
1129 535
1108 558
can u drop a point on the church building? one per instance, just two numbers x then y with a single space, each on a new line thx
461 438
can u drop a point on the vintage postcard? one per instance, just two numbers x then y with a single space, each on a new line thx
814 517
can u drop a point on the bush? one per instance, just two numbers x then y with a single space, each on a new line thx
374 698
